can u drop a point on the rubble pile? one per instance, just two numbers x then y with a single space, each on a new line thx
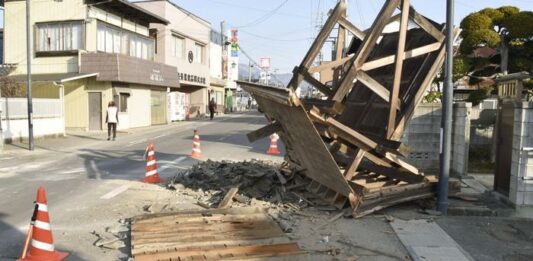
255 179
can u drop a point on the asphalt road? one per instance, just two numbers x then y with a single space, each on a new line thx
80 173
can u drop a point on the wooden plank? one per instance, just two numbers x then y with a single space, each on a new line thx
374 64
226 201
426 25
330 65
339 52
352 28
210 254
166 247
264 132
364 50
151 218
394 102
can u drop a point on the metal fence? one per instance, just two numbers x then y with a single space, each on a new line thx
17 108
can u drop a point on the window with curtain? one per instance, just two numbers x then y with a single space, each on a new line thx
111 39
199 53
177 46
59 37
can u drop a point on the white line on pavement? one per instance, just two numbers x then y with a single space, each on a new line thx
115 192
171 164
222 138
72 171
131 143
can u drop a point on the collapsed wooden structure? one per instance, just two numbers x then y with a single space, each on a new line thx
348 144
212 234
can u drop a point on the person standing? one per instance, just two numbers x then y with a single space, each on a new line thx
212 108
111 119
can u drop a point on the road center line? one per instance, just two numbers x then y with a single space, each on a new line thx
115 192
170 164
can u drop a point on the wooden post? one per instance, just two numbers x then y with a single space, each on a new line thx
394 103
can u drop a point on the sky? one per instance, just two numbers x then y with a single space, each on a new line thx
283 29
286 35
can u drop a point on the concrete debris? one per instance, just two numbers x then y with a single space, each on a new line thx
254 179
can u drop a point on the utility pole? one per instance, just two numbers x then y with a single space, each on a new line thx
28 69
446 122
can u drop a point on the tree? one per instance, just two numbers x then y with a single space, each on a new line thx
10 88
506 28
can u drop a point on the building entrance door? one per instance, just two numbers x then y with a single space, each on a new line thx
159 100
95 111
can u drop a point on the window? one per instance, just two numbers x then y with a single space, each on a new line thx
59 37
177 46
121 100
199 53
111 39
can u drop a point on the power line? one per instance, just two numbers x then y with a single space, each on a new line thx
265 17
252 61
274 39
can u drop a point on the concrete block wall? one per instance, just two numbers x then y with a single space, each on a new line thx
422 135
460 139
521 186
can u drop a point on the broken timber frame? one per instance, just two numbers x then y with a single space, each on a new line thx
349 143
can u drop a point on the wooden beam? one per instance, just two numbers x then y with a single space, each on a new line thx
337 12
393 173
226 201
394 102
351 136
316 83
352 28
264 132
408 55
373 85
349 173
437 64
426 25
364 50
330 65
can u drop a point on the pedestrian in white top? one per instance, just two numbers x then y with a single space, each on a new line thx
111 119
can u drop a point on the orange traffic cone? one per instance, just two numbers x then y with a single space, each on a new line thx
273 144
42 244
151 166
196 151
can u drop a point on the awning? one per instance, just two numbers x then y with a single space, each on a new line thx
119 90
53 77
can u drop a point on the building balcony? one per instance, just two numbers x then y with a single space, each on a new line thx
121 68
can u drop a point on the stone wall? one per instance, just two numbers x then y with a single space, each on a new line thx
521 187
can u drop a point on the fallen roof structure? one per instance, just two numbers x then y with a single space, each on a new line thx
348 144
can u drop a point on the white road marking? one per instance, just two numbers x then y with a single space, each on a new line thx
160 136
72 171
172 163
131 143
222 138
115 192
